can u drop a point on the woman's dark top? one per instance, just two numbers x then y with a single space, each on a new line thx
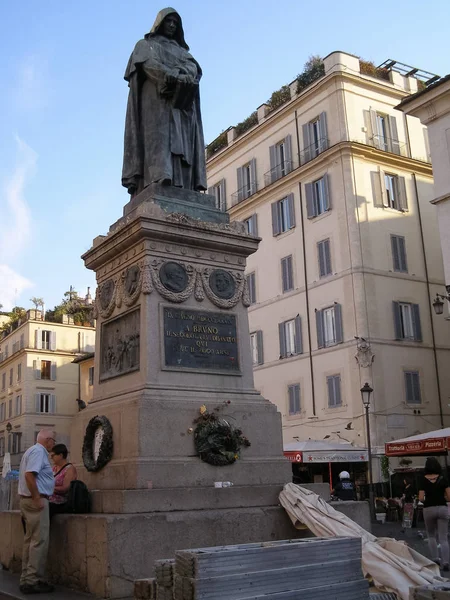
434 492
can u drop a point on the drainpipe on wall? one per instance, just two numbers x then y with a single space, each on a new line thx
430 311
308 318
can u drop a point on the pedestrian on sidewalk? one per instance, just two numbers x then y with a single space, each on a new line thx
434 492
36 485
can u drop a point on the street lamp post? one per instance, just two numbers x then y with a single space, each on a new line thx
366 392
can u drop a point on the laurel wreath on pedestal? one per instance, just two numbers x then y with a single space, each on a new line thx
106 446
217 442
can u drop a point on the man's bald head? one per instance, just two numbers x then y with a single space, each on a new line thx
46 437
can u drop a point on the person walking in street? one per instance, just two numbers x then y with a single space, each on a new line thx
64 473
36 485
434 492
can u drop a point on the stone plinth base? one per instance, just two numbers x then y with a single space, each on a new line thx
105 554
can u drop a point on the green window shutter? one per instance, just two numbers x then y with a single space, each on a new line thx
331 394
397 321
253 180
306 144
273 163
327 252
326 189
260 347
275 219
282 336
395 253
223 195
298 335
240 183
394 145
401 188
338 323
286 274
291 208
374 127
412 387
402 254
310 205
288 153
415 310
320 331
323 143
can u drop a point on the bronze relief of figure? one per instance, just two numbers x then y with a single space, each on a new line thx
163 129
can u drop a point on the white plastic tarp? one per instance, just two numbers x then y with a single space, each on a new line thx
393 565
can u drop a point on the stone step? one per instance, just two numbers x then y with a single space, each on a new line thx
9 588
182 499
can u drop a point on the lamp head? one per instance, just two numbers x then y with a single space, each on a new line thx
366 392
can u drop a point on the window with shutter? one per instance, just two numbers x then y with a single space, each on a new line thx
318 197
294 399
315 138
283 215
412 387
251 225
407 323
290 333
324 255
329 326
19 372
399 254
46 369
256 344
91 375
218 191
334 391
4 381
251 284
287 276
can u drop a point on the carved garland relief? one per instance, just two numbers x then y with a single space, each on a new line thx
175 282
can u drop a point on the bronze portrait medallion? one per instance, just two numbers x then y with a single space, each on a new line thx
173 276
222 284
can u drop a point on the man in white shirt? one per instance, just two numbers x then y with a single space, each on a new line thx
36 484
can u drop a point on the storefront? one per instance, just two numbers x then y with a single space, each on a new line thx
321 462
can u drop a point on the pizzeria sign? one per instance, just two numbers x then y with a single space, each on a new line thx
427 446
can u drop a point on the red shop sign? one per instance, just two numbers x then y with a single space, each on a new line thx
295 457
419 447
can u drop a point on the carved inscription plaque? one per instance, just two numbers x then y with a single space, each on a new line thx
120 346
202 340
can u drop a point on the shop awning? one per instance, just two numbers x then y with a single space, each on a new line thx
313 451
433 442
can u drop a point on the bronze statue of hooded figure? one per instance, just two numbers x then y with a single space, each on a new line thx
163 128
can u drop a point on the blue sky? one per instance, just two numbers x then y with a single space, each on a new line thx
63 99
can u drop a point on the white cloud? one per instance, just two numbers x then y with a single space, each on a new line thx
14 210
12 284
31 88
16 224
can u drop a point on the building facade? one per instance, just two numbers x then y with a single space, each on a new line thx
337 183
432 107
39 384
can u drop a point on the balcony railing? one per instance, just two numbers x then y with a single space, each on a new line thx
313 150
278 172
388 145
244 192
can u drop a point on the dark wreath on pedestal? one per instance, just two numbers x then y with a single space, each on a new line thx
106 446
217 442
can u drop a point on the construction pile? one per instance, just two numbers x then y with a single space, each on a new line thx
313 569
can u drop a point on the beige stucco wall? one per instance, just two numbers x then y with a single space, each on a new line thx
86 389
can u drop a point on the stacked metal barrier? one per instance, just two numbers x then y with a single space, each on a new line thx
313 569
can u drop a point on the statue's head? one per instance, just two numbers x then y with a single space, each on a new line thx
168 23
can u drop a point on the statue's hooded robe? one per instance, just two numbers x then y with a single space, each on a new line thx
163 129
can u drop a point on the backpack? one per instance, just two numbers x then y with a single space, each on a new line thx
78 500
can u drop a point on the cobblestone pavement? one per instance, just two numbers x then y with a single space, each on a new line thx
415 537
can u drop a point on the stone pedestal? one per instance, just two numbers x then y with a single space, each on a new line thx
172 336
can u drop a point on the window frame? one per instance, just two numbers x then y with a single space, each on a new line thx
333 379
287 274
294 399
416 374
